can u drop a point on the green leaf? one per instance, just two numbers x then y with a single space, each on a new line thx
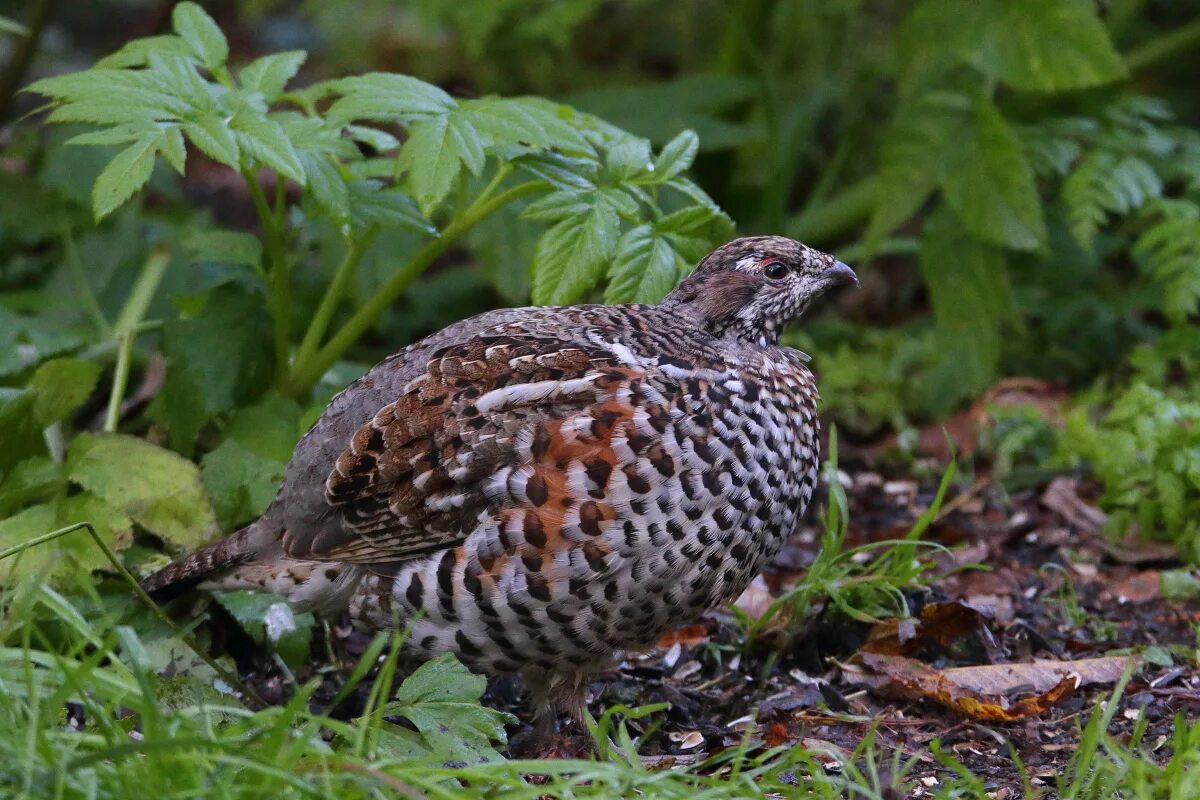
60 386
644 269
270 428
522 120
677 155
35 479
137 52
441 700
269 620
436 150
158 489
202 35
241 483
173 150
571 256
125 174
270 74
1031 45
230 247
384 97
265 140
912 153
628 157
990 184
968 288
373 204
70 555
214 138
217 360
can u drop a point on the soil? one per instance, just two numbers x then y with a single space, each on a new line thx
1032 567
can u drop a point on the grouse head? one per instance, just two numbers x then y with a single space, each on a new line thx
752 287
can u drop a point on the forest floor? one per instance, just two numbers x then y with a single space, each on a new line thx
1028 576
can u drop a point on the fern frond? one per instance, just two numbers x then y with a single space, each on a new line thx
1169 251
1104 183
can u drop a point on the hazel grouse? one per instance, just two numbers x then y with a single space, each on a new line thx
534 489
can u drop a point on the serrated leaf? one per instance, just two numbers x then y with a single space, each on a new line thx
990 184
676 155
628 157
522 121
326 184
265 140
384 97
214 138
371 204
119 134
160 490
230 247
269 75
380 141
441 700
436 150
644 269
556 205
137 53
173 150
123 176
60 386
202 35
571 256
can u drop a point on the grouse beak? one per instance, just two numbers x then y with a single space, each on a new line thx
840 274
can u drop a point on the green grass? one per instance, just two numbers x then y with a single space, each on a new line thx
85 712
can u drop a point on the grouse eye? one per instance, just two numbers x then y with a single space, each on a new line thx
775 270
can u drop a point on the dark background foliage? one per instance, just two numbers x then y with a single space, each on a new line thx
1015 181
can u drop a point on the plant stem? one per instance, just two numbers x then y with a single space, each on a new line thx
86 297
306 373
276 268
120 380
333 294
1164 46
23 53
143 290
127 327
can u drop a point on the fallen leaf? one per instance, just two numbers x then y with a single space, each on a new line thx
1139 587
940 624
980 692
1136 552
1062 497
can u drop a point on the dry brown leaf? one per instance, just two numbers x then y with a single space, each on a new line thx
1139 587
941 624
1039 675
980 692
1062 497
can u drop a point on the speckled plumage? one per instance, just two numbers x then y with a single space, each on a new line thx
535 489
